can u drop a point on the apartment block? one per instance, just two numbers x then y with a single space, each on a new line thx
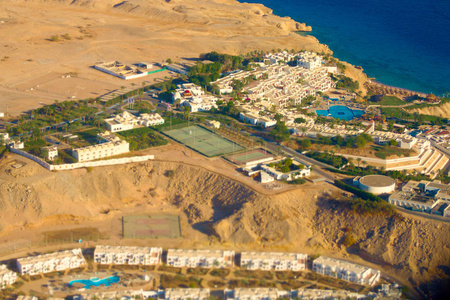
255 294
46 263
109 145
200 258
186 294
124 255
277 261
127 121
346 271
7 277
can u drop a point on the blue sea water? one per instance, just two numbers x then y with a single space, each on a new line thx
404 43
96 282
340 112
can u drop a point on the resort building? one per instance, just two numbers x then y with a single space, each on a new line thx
318 294
346 271
123 255
255 294
278 171
7 277
277 261
275 58
200 258
50 152
426 196
115 295
191 95
122 71
109 145
186 294
212 124
309 60
127 121
46 263
254 119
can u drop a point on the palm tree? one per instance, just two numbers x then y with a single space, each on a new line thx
359 161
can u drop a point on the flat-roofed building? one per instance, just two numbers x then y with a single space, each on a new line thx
255 294
50 152
186 294
46 263
309 60
294 171
200 258
124 255
7 277
213 124
346 270
127 121
109 145
317 294
277 261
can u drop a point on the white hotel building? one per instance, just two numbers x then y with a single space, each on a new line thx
277 261
110 145
127 121
186 294
123 255
46 263
346 271
200 258
7 277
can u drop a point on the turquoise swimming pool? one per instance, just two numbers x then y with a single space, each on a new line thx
96 282
340 112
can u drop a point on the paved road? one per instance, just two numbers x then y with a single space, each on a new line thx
307 160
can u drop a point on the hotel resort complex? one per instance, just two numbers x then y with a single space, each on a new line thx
123 255
46 263
273 261
200 258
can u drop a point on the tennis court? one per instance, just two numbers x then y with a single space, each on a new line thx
151 226
204 141
251 157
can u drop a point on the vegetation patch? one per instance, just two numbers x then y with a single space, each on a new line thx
142 138
197 271
386 151
388 101
254 274
220 272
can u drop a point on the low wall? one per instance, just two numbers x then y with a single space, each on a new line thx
109 162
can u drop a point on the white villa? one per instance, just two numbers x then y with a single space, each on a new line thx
300 171
200 258
277 261
123 255
127 121
46 263
109 145
186 294
346 271
7 277
51 152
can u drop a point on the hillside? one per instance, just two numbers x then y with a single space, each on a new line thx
306 219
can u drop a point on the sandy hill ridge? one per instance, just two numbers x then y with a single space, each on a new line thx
413 250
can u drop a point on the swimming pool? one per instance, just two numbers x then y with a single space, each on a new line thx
96 282
340 112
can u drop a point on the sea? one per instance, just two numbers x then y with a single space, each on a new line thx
402 43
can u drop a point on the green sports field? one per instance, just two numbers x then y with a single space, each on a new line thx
204 141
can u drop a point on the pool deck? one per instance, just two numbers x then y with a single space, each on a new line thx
347 104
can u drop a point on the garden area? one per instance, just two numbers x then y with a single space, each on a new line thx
286 166
180 281
387 101
142 138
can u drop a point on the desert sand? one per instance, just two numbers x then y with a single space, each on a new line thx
218 208
34 69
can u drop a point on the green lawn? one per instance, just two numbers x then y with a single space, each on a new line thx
142 138
390 100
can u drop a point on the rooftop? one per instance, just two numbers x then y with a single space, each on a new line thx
377 180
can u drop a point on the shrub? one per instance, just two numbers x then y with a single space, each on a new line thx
170 173
348 240
54 38
89 169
